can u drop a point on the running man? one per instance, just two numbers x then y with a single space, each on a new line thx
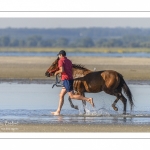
65 68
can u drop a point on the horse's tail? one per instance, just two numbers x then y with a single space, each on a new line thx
126 90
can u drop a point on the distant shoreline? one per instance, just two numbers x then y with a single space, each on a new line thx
78 54
75 49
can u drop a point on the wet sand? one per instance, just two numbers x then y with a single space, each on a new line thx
74 128
34 68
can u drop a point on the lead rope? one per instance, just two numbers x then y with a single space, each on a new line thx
57 82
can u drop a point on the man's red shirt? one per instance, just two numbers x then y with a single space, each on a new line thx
67 65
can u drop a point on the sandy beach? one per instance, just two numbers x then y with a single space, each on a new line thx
74 128
35 67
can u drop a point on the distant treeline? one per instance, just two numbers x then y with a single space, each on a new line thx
80 37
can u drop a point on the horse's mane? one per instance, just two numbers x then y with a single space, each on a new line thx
78 66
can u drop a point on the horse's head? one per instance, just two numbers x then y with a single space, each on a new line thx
52 69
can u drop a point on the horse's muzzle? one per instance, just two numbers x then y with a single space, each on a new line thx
47 74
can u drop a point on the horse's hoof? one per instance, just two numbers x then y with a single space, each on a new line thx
76 107
114 107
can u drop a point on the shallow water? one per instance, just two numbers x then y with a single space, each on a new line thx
91 54
32 103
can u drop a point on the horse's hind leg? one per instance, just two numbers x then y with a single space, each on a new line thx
114 104
118 94
115 93
124 101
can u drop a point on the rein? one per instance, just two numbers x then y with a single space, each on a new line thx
57 83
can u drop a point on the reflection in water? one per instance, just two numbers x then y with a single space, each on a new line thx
97 120
60 118
43 116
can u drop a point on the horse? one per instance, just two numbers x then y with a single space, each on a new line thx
85 80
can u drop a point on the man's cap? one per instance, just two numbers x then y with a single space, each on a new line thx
62 52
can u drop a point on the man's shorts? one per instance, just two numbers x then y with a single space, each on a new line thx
68 84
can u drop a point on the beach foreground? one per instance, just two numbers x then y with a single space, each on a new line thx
35 67
74 128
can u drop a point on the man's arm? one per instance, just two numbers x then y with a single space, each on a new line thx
61 69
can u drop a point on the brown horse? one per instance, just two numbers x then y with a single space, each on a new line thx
85 80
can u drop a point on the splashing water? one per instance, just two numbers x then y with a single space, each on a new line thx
103 112
94 112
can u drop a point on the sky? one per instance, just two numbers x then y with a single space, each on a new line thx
74 22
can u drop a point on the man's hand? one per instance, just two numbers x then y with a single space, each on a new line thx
56 73
61 69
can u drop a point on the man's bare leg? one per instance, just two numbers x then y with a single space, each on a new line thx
80 97
61 102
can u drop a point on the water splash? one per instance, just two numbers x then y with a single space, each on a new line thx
103 112
94 112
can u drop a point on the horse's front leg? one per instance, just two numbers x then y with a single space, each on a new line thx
75 106
72 105
84 103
